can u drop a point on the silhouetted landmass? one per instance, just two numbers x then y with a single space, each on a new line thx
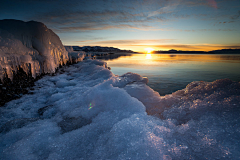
222 51
225 51
112 50
100 49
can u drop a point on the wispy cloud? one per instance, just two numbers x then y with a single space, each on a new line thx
195 47
135 42
98 15
97 20
85 41
92 27
235 17
209 3
212 3
162 18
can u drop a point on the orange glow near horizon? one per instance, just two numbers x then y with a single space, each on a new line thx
199 47
149 50
146 49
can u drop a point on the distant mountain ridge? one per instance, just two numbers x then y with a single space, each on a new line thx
99 49
225 51
222 51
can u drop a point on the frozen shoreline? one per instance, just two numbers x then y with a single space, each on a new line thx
87 112
28 50
22 82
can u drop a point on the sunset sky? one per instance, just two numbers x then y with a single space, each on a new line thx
135 24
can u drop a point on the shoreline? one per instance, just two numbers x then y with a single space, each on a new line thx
21 84
87 104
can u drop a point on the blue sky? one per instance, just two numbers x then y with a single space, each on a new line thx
135 24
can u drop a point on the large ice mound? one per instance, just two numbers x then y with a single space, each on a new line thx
31 46
86 112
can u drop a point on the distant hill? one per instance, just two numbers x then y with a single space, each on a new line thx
222 51
225 51
99 49
180 52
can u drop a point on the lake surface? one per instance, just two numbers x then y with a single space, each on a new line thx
168 73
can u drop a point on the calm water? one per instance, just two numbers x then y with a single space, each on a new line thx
168 73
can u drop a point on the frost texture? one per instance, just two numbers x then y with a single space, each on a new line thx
89 113
31 46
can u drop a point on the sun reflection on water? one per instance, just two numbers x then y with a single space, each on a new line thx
170 72
148 56
174 60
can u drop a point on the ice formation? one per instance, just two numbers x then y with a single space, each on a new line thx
31 46
87 112
75 56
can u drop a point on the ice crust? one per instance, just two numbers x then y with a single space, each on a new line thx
89 113
31 46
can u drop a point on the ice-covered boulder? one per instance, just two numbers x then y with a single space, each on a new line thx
74 56
31 46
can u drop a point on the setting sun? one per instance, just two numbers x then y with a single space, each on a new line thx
149 50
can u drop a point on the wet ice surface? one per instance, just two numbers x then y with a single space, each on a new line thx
89 113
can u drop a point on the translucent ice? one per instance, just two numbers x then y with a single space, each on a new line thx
31 46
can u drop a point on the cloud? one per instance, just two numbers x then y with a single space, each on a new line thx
175 46
195 47
93 26
131 42
212 3
96 20
208 3
164 10
232 19
161 44
85 41
235 17
92 15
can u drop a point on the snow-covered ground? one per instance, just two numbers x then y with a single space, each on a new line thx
86 112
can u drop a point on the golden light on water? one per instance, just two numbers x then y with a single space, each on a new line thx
149 50
148 56
139 60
